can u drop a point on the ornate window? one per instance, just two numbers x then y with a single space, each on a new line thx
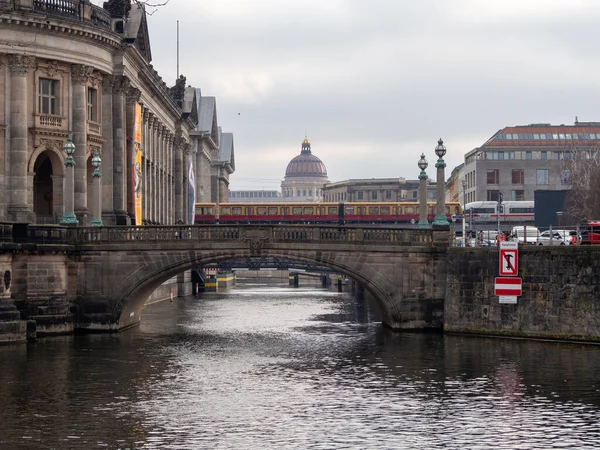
48 96
92 104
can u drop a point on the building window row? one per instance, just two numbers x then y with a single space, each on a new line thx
542 176
48 99
515 195
546 136
526 155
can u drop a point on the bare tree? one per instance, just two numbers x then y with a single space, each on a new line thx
583 172
151 5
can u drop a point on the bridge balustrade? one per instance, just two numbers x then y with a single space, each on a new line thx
56 234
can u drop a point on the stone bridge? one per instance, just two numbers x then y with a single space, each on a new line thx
98 278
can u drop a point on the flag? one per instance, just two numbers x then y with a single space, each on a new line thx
191 190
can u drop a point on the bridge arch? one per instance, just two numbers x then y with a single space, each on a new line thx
118 268
144 282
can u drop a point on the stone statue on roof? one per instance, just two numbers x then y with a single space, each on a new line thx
118 8
178 91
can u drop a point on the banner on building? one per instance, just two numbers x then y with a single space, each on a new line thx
191 190
136 165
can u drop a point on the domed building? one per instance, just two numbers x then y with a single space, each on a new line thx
305 177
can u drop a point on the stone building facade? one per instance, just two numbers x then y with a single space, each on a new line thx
70 68
376 190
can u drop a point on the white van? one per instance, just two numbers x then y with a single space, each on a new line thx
525 235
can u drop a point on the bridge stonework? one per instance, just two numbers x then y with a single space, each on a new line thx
60 280
98 278
403 270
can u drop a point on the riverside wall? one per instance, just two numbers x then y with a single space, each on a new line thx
561 294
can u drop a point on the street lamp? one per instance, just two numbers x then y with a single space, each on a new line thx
440 218
423 222
464 222
97 210
69 217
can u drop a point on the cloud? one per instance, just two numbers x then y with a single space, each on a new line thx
376 83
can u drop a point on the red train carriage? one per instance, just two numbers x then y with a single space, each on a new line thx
327 213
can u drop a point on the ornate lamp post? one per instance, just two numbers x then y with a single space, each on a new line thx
97 211
464 222
69 217
423 222
440 217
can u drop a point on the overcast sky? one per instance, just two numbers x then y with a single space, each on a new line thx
376 83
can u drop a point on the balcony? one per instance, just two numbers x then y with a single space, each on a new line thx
79 10
94 128
50 122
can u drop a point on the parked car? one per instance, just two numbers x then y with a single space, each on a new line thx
569 235
550 238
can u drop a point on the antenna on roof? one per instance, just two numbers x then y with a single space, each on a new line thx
576 120
177 49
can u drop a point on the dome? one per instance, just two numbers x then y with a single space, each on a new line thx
306 165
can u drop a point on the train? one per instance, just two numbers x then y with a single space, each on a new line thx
512 212
320 213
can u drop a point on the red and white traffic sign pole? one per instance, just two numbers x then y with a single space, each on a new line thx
509 259
508 286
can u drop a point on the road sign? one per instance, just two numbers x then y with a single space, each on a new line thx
508 286
508 299
509 258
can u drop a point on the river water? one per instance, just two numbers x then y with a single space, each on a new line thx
272 367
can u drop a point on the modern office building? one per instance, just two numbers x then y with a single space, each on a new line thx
519 160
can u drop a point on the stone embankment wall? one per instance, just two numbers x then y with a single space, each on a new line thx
561 293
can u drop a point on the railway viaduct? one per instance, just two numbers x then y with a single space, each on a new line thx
61 280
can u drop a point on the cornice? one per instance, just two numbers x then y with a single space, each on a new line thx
157 87
95 139
39 23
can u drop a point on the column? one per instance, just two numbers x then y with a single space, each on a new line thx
169 172
156 170
80 75
145 150
440 218
150 177
423 221
178 176
18 208
121 85
108 213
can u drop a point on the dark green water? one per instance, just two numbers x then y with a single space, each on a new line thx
266 366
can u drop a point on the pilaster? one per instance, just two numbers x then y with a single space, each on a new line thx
120 85
19 210
179 149
80 76
108 213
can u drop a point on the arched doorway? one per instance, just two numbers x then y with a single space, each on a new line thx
43 195
46 166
